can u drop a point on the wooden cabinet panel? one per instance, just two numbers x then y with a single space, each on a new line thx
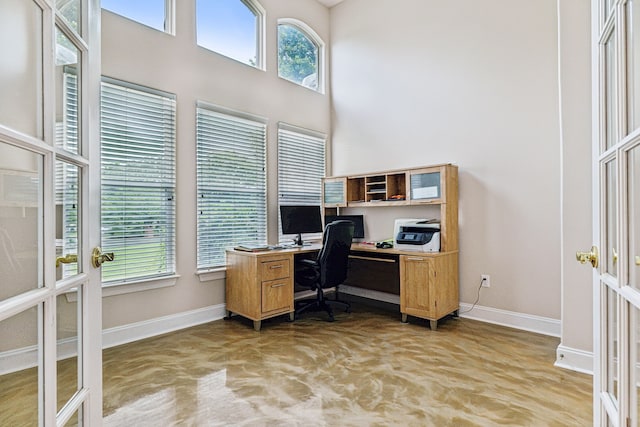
277 269
242 288
277 295
429 286
415 284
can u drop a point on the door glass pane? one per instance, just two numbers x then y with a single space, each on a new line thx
633 60
611 111
334 192
70 9
67 194
607 7
635 363
21 106
20 220
76 419
68 349
19 346
611 342
67 84
633 197
610 249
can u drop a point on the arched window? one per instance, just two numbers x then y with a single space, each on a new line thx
300 53
232 28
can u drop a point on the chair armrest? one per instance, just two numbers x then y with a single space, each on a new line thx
307 273
308 263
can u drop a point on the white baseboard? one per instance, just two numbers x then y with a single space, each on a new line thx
574 359
149 328
512 319
19 359
527 322
27 357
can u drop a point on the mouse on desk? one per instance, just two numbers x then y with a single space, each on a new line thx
384 245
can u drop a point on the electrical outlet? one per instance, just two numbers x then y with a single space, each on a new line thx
486 280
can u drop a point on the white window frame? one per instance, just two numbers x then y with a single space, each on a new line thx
168 276
314 38
236 123
260 13
295 149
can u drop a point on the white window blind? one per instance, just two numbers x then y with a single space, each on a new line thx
232 197
301 167
138 182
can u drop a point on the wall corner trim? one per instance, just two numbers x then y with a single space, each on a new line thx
574 359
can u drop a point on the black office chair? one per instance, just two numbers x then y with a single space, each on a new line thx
328 271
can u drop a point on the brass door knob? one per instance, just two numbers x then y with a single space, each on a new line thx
637 260
98 258
592 256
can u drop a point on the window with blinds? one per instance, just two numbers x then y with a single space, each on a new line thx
231 181
301 167
138 181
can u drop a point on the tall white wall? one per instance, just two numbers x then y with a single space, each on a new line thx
175 64
475 83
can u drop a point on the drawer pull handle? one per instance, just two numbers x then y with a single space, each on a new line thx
368 258
415 258
279 285
275 267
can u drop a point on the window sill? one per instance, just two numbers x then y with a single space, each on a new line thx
212 274
131 287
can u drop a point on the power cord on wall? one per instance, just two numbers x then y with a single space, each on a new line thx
477 299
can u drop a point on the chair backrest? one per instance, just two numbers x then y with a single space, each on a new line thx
333 258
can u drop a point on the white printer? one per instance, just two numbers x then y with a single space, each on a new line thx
420 235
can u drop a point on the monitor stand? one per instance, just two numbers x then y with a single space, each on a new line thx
298 241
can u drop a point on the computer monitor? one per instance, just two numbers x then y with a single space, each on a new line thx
298 219
358 222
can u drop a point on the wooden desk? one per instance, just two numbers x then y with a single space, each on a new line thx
260 284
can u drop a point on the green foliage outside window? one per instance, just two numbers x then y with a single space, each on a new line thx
297 57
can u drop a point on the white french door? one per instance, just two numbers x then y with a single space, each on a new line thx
616 155
50 294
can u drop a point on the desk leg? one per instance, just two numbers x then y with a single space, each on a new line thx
404 317
433 324
292 316
256 325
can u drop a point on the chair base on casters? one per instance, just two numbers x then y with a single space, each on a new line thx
322 304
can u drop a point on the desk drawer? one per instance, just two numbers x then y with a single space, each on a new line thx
277 269
277 295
